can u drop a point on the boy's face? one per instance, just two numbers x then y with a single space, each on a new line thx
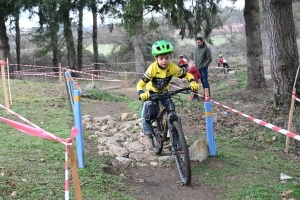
163 60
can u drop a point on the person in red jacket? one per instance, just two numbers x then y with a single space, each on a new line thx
224 62
183 63
195 72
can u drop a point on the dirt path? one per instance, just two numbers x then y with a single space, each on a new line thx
154 182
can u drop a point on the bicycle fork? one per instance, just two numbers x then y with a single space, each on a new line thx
173 116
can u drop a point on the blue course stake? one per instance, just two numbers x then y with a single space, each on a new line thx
78 125
209 126
70 87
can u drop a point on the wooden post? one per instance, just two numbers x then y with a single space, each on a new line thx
8 76
64 80
74 172
34 65
287 142
92 78
126 78
67 89
60 73
117 64
4 86
236 68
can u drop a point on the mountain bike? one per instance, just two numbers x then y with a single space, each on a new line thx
168 121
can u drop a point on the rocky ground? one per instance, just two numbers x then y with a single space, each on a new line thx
150 176
156 177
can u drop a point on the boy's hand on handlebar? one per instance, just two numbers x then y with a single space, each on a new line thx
145 96
194 86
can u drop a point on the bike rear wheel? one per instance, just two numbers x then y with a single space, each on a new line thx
156 140
181 154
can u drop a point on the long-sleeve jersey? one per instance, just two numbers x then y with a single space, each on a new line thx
182 61
157 79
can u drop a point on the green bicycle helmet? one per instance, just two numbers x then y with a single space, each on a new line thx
161 47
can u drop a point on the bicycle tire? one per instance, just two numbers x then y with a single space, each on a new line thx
182 156
156 140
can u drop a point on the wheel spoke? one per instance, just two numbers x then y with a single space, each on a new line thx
181 153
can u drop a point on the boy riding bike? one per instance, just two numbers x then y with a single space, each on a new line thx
157 79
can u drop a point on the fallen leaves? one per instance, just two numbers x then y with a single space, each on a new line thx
271 140
13 194
286 194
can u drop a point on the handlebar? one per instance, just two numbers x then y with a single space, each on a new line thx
156 96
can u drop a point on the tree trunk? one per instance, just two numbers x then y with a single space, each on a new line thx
138 43
95 36
255 70
80 36
54 45
4 45
53 30
69 42
18 42
138 38
283 48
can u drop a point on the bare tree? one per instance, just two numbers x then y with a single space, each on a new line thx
255 70
138 38
65 18
93 7
283 48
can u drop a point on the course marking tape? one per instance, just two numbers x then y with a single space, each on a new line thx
41 132
258 121
261 122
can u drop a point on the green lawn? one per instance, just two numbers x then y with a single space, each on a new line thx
33 167
104 49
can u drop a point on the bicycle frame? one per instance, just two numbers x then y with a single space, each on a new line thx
169 121
171 116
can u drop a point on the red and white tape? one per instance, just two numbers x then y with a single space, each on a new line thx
38 132
261 122
67 192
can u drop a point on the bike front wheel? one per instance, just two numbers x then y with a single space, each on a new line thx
156 140
181 153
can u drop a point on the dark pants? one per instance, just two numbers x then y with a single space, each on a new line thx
204 78
226 67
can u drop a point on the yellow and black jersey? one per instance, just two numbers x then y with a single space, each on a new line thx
157 79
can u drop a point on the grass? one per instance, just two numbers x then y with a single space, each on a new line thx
106 96
217 41
246 168
32 167
249 171
104 49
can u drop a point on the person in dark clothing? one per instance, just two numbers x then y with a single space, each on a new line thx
226 66
203 59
